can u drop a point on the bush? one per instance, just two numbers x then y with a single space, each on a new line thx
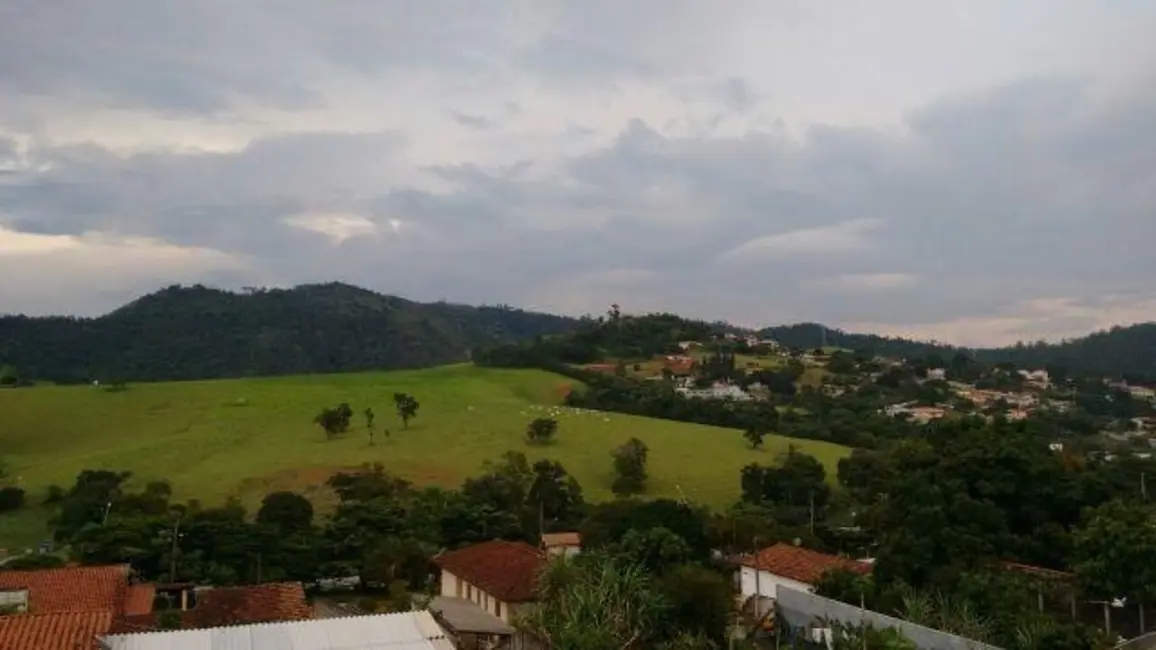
55 495
11 498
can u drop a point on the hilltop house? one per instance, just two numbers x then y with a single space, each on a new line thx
482 588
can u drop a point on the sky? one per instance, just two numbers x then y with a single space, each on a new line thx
976 173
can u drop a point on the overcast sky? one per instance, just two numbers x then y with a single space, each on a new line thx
976 172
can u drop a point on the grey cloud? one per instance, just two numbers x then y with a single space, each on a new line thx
478 122
972 199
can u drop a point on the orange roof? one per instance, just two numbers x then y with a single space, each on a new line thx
801 564
71 589
138 599
507 570
267 603
553 540
1039 571
54 631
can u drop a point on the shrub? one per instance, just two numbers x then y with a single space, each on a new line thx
11 498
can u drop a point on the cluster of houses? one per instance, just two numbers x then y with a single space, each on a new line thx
482 589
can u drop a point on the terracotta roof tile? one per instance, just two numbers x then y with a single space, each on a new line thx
221 606
138 599
553 540
506 570
54 631
1041 572
71 589
801 564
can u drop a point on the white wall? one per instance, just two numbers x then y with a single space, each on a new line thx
766 583
454 587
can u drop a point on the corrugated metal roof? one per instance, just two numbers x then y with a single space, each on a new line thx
400 631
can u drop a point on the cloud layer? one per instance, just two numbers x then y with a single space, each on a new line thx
980 177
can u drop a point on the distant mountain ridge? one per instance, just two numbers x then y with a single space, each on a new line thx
1119 352
203 333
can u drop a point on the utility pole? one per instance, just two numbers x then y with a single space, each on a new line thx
107 509
173 551
812 514
758 587
1143 487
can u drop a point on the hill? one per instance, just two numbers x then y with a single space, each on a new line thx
201 333
246 437
1118 352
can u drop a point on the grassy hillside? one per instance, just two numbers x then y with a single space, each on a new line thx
245 437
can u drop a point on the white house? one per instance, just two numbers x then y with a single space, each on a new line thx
788 566
562 544
490 582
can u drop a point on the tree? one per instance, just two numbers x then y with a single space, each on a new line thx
286 511
630 468
334 421
595 603
754 435
11 498
1115 550
554 497
406 408
541 431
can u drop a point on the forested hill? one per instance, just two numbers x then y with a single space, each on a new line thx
1119 352
198 333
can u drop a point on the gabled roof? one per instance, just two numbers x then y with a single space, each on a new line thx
508 571
800 564
71 589
54 631
222 606
555 540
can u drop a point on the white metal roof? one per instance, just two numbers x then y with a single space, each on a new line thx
400 631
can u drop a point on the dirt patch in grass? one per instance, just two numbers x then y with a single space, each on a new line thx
309 482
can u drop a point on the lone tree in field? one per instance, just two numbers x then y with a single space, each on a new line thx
755 435
541 431
334 421
630 468
369 415
406 408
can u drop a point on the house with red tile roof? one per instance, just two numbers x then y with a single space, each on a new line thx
222 606
497 576
791 566
63 608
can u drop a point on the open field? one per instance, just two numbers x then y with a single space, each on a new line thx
213 439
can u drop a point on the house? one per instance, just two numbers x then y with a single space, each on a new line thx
484 585
208 607
791 566
677 365
1038 378
936 374
66 608
561 544
417 630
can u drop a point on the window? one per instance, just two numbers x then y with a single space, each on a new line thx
469 592
498 608
13 600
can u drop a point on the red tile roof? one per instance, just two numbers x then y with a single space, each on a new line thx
71 589
54 631
554 540
801 564
1039 571
508 571
220 606
138 599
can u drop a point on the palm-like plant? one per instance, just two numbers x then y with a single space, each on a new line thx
594 603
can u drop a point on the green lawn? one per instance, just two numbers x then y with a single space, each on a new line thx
213 439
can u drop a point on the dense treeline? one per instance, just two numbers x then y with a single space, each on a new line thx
1122 352
200 333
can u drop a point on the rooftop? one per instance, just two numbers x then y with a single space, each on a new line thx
800 564
399 631
554 540
54 631
221 606
71 589
507 570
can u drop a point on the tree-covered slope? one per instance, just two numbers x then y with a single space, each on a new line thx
1118 352
198 332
